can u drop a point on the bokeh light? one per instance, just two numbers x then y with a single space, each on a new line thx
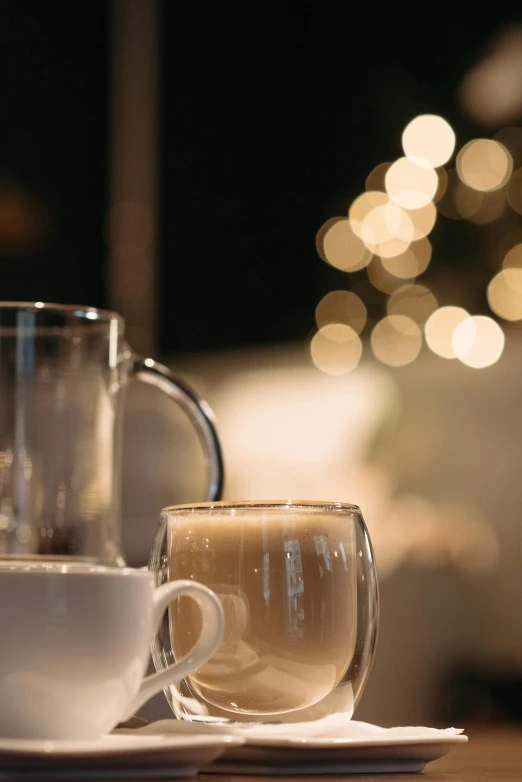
511 138
467 200
463 202
321 233
24 220
396 340
478 207
411 183
429 137
415 301
505 294
386 223
478 341
442 184
484 164
392 248
336 349
341 307
341 248
439 330
513 258
423 220
412 262
446 204
362 206
382 279
375 179
491 92
491 207
514 191
385 228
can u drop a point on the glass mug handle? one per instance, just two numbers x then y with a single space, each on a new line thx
212 623
197 410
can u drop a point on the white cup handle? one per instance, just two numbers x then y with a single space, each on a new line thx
212 620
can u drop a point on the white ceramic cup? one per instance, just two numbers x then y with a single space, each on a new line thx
74 646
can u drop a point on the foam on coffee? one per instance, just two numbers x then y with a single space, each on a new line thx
287 584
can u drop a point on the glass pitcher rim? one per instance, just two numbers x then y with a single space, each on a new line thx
229 505
80 310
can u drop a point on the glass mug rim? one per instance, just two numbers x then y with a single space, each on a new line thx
22 570
245 505
81 311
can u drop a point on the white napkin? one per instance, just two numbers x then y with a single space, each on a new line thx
335 728
339 727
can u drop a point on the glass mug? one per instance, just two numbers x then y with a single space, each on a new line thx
63 373
298 588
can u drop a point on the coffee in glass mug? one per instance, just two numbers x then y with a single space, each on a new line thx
298 589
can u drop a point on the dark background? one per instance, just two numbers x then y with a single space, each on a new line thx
53 129
272 116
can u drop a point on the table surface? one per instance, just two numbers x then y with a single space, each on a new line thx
491 755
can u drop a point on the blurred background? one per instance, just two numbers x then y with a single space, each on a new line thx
314 213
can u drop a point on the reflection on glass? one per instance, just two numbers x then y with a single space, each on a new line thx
294 589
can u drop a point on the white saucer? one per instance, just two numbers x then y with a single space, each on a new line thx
113 757
363 755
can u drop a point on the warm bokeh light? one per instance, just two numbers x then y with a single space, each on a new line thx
341 307
385 223
24 221
423 220
491 92
392 248
446 204
411 183
321 233
484 164
467 201
403 266
412 262
336 349
463 202
415 301
511 138
362 206
491 207
429 137
513 258
478 341
439 330
341 248
375 179
385 228
386 231
442 185
514 191
382 279
396 340
505 294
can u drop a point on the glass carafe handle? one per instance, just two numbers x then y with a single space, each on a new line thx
197 410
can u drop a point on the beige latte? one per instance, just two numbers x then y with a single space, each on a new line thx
287 585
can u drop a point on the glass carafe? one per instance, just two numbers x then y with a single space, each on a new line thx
63 373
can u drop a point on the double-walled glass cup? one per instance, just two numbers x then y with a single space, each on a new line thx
298 587
63 374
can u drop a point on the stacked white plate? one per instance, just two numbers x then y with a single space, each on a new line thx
114 757
172 749
333 745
